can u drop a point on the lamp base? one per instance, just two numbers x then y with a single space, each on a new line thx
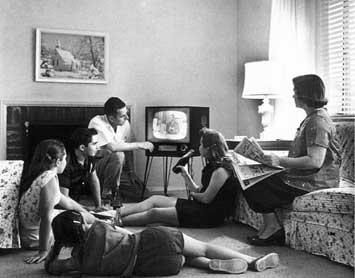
266 110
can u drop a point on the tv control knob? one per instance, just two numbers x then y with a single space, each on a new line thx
183 148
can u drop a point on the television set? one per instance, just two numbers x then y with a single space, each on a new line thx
174 130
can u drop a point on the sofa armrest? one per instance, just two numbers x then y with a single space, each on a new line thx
10 176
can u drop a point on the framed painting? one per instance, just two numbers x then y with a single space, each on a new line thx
71 56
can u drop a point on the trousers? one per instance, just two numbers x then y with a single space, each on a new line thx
109 169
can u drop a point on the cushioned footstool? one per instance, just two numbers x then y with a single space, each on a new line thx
322 223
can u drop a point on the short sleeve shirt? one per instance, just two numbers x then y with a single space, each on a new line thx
106 133
317 129
75 176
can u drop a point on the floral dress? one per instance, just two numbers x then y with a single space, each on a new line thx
29 209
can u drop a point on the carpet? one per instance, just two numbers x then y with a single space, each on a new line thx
293 263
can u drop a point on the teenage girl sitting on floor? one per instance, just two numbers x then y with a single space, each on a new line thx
40 193
212 202
102 249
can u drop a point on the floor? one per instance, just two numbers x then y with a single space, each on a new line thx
292 263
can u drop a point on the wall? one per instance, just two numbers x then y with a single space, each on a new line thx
253 26
161 52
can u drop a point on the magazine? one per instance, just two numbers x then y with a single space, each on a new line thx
252 167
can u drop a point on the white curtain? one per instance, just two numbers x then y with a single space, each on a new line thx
293 44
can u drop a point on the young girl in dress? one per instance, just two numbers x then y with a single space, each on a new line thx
39 195
211 202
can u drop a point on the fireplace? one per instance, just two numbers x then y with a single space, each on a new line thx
28 125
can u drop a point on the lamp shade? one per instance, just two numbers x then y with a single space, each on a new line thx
263 79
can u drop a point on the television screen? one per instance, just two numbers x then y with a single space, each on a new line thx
168 125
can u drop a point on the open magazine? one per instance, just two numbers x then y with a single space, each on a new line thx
251 168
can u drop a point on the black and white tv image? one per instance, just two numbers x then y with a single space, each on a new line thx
174 130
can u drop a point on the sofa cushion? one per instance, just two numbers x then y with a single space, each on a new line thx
10 176
331 200
342 222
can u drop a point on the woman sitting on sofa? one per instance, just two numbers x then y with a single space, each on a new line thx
312 163
40 193
212 201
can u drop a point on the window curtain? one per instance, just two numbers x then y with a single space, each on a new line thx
293 44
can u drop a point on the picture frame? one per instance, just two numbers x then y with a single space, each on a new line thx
71 56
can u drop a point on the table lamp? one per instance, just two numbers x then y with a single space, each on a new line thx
263 81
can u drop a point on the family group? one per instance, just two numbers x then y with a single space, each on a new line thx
52 218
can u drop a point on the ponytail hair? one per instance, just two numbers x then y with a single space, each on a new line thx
44 158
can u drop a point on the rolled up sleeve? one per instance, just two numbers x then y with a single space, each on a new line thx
105 136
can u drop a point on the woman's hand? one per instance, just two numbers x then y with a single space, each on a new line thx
184 171
36 259
272 159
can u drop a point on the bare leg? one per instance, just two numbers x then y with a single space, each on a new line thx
262 228
154 201
154 215
271 225
196 248
205 255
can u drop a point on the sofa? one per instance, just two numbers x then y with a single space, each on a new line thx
10 176
320 222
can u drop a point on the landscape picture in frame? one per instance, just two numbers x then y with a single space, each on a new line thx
71 56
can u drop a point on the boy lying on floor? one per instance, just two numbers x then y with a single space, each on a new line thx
103 249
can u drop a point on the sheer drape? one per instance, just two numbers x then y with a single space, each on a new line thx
293 44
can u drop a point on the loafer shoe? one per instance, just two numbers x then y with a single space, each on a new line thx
233 266
277 238
268 261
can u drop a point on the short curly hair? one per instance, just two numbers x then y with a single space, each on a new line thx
112 105
311 90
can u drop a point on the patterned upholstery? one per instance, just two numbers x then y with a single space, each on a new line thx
10 175
332 200
345 135
326 234
320 222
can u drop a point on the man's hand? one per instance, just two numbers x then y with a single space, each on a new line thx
272 160
36 259
146 146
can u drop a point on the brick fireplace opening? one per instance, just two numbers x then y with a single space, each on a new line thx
28 125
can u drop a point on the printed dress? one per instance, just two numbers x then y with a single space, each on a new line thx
29 210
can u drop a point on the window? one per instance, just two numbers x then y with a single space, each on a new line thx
337 54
